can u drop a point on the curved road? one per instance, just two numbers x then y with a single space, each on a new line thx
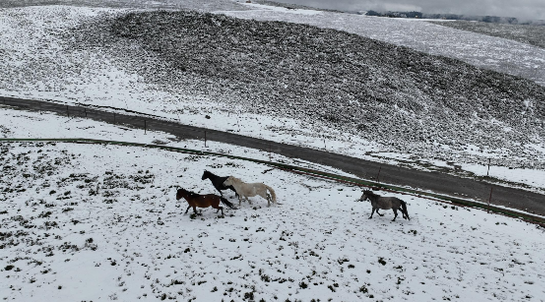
433 181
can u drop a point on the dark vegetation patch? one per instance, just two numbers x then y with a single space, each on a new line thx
406 100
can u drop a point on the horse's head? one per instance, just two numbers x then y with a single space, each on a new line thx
366 194
228 181
205 175
180 193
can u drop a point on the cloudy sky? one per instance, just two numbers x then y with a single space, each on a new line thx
522 9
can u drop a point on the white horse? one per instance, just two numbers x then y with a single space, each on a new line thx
250 190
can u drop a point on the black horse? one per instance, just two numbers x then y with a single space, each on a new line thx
217 181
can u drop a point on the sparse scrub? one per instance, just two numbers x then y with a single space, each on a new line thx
365 77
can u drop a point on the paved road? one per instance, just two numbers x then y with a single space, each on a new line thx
434 181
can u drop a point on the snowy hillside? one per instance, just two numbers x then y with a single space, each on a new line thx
383 93
99 222
316 84
528 34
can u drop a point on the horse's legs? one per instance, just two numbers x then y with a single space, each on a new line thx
269 198
379 213
187 209
233 189
395 214
373 210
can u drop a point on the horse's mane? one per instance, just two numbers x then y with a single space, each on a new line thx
191 193
371 193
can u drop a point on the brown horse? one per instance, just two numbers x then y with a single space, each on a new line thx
202 201
379 202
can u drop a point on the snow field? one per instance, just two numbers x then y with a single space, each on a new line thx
105 225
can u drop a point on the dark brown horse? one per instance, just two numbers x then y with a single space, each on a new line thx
379 202
202 201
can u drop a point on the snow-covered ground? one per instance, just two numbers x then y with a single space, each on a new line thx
95 223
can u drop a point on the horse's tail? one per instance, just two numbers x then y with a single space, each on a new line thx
273 195
404 206
227 203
